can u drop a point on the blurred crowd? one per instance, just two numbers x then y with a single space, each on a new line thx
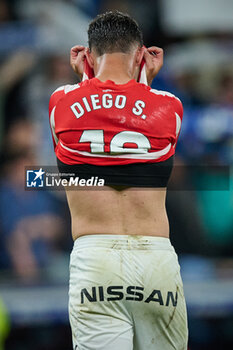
34 60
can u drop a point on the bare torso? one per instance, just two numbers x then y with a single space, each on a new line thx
113 210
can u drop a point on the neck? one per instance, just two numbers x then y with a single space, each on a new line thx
117 67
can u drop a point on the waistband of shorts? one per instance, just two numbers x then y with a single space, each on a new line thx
127 242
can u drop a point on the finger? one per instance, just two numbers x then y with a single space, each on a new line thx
156 50
148 58
87 50
77 48
77 58
154 56
76 62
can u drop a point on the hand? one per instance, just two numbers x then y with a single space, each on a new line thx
77 56
154 61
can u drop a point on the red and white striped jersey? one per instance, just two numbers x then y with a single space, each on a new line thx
103 123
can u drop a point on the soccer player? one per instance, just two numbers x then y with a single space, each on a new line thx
125 287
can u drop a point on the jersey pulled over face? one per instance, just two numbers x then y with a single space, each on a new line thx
103 123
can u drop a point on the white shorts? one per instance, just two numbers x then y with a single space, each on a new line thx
126 293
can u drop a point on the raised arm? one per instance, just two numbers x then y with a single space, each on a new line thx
153 57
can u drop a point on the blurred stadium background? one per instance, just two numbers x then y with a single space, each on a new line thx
35 239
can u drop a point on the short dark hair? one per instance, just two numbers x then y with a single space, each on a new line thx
113 31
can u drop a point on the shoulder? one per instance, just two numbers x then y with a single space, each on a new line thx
65 89
59 93
170 99
166 94
161 93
